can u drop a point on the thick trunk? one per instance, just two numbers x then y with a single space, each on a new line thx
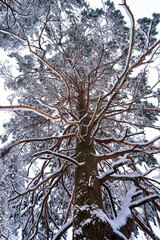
89 214
88 200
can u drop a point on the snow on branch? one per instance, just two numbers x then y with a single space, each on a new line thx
134 147
66 136
63 229
13 35
131 177
125 211
115 154
34 188
144 227
144 200
131 44
120 162
13 9
150 170
62 156
140 61
134 144
114 166
45 62
28 108
110 175
106 175
40 113
121 219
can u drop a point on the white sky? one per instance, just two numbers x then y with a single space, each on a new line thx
140 8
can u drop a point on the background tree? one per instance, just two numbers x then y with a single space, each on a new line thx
78 130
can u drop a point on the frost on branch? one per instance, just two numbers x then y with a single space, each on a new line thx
79 154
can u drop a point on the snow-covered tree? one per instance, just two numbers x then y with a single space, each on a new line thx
80 155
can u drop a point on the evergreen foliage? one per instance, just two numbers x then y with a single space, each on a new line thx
78 129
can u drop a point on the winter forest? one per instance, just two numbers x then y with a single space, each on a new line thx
80 164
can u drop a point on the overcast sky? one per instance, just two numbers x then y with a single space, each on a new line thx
140 8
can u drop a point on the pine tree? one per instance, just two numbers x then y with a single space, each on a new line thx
78 130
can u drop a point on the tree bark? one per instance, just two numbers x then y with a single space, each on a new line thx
88 200
89 214
89 217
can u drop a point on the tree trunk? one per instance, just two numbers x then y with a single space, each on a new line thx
89 214
88 200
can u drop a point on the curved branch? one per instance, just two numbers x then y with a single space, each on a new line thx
29 108
142 225
36 140
116 154
134 144
131 17
69 159
41 113
133 124
144 200
65 227
32 189
111 199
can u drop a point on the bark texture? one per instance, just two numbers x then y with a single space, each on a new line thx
89 213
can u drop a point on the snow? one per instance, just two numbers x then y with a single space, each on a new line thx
32 188
113 154
65 226
13 35
116 164
28 108
48 106
123 176
149 142
122 161
131 42
125 212
86 222
78 231
123 215
56 154
90 183
142 200
106 174
98 213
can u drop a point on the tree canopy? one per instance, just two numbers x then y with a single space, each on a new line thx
79 155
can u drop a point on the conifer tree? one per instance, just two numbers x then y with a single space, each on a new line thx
78 131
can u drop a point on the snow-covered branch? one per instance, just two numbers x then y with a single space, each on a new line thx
59 155
143 200
63 229
115 154
122 177
131 43
34 188
28 108
133 144
66 136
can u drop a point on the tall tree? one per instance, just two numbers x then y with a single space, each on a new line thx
78 130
